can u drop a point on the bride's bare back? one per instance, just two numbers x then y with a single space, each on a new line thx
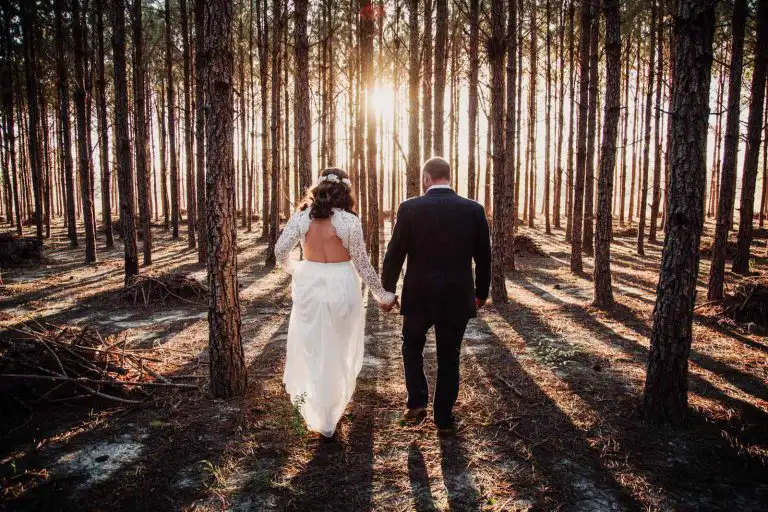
322 244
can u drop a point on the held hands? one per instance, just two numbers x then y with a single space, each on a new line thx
387 308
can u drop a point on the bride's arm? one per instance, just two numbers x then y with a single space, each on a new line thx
360 259
287 241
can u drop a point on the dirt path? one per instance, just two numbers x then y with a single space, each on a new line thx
548 399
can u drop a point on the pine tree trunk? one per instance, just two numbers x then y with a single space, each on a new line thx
304 114
592 129
199 7
647 142
666 386
243 115
559 73
65 145
262 42
163 161
29 30
142 135
571 108
603 289
548 122
754 129
367 20
474 64
625 138
413 185
188 129
441 61
496 49
8 70
426 82
509 206
656 193
227 362
714 183
122 142
276 132
532 108
727 192
171 106
581 138
84 166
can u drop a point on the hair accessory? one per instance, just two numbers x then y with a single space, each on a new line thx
334 178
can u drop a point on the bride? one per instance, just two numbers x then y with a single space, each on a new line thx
326 329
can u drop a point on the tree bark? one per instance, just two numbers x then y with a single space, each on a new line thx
122 142
303 112
581 138
496 50
171 105
199 7
754 129
413 186
227 362
572 107
441 61
188 130
426 82
665 397
142 134
368 18
474 64
647 142
509 206
603 289
727 192
276 133
81 114
28 14
657 165
65 145
592 129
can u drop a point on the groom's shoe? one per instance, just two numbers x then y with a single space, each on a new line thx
450 429
413 416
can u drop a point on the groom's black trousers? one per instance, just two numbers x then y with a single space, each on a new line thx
449 333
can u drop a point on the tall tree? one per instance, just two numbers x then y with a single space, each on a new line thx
603 290
496 50
665 397
474 65
227 366
754 129
441 61
142 134
656 192
28 12
413 185
81 116
200 126
727 189
123 142
577 264
275 131
647 137
65 144
510 206
368 20
426 81
592 129
171 106
303 111
188 130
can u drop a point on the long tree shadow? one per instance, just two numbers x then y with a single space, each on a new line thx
568 471
700 448
457 478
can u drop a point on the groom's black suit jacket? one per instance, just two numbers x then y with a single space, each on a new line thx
440 233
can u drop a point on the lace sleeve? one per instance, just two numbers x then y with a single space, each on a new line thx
364 268
290 236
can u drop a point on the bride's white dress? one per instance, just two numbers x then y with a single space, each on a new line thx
326 330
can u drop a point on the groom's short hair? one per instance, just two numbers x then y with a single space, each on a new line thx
438 168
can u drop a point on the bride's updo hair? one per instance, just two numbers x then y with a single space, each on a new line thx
332 190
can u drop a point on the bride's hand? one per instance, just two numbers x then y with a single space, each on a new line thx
389 307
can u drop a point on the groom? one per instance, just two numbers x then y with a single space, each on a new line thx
440 233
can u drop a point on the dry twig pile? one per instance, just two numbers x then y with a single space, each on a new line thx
164 288
16 249
527 246
64 360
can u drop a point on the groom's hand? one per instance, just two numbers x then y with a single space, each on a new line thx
479 303
387 308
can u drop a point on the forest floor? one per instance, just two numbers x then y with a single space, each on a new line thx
549 398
